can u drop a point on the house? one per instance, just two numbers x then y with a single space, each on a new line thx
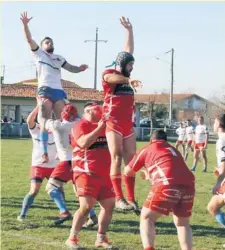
186 106
19 99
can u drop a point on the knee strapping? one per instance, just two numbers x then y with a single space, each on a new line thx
53 184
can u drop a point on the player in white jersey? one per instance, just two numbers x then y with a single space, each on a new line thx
181 132
189 139
49 77
39 170
218 199
200 143
62 173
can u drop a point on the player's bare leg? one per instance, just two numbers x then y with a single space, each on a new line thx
183 150
86 204
147 227
115 144
129 150
204 157
57 108
45 110
196 158
184 232
214 206
104 219
29 199
186 152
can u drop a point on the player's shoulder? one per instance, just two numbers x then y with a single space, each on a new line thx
111 71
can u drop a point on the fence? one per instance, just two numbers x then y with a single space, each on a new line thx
12 130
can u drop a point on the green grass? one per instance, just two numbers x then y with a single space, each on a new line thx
38 232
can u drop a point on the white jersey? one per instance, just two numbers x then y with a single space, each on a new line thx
61 131
201 131
38 151
48 68
189 133
220 150
181 133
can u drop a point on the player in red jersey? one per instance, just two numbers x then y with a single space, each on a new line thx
91 174
118 112
172 189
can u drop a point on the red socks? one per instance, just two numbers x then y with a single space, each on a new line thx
117 185
149 248
129 184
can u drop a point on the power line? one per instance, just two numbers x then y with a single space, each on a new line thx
96 55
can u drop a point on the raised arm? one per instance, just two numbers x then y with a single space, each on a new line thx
74 69
31 118
129 43
25 20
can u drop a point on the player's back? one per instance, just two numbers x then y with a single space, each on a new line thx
61 131
166 165
37 149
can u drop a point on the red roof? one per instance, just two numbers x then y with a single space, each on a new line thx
34 82
29 91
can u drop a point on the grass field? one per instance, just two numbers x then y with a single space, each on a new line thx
39 233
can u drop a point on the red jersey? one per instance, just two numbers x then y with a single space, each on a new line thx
164 164
118 99
94 160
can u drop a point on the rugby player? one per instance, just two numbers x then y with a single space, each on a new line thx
49 77
173 189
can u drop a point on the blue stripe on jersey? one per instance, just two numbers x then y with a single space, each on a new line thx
48 65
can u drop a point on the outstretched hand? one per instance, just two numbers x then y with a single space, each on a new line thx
25 19
135 84
126 23
83 67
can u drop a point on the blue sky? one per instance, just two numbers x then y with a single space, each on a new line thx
194 30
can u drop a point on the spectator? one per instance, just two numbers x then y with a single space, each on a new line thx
5 119
22 120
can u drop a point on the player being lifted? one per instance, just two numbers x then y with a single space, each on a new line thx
39 170
189 139
200 143
181 131
118 111
173 189
50 88
218 199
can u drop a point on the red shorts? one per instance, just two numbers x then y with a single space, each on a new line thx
39 173
180 142
176 198
198 146
96 187
124 128
63 172
189 143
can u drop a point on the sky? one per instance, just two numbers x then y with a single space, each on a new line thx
194 29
